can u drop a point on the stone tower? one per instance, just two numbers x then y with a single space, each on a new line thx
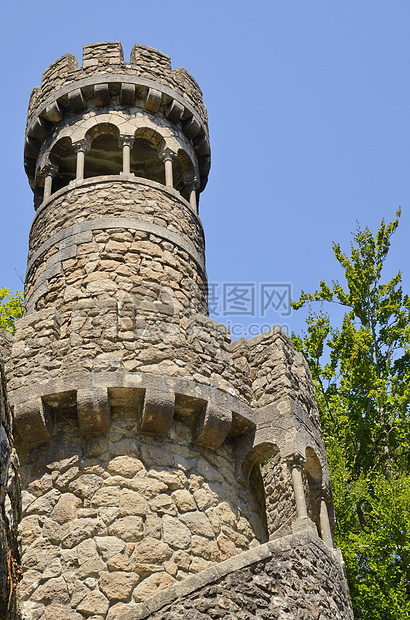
140 427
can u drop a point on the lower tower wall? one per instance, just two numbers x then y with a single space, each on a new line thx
119 517
10 500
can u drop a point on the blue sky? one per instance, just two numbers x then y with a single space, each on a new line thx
309 114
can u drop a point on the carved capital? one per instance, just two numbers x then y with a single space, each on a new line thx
81 145
126 141
191 182
295 461
167 154
49 170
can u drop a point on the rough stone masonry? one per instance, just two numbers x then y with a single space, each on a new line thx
139 427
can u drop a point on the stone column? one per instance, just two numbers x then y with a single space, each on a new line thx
81 147
126 143
303 522
295 463
49 171
325 530
192 187
167 155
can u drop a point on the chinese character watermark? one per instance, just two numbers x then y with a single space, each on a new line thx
248 299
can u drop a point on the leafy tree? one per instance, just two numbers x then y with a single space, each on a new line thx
361 371
10 308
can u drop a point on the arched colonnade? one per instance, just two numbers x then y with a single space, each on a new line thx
110 146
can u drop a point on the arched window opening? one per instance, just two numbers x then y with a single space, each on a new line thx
313 485
64 158
184 174
179 182
104 157
257 467
145 161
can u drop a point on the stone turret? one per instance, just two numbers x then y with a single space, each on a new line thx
140 427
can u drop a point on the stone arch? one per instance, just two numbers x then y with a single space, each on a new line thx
183 173
63 157
104 157
253 468
257 455
60 163
145 161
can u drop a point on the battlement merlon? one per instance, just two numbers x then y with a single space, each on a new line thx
108 58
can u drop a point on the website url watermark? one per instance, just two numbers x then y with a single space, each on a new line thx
239 330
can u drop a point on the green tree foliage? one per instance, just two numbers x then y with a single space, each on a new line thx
10 309
361 370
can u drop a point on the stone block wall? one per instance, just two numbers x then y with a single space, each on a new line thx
10 501
119 517
151 230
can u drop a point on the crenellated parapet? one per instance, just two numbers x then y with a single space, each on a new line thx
145 83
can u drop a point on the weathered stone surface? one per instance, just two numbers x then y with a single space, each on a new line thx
86 486
53 591
156 456
79 529
53 570
183 500
87 550
109 546
198 565
41 485
30 581
173 479
175 533
153 526
29 530
44 505
152 585
107 496
66 508
182 559
119 562
117 586
163 504
205 498
51 531
117 610
60 612
39 555
207 549
225 513
126 466
95 602
90 568
148 487
132 503
63 456
198 523
127 528
226 547
152 551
